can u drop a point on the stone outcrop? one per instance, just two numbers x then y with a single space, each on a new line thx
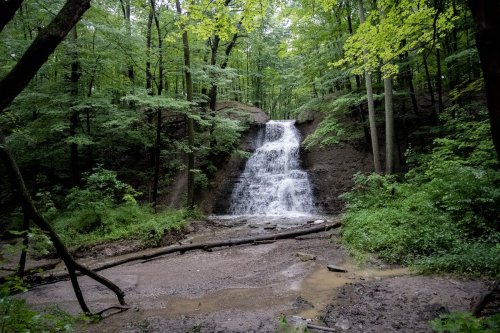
330 169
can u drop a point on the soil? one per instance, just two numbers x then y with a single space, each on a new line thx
246 288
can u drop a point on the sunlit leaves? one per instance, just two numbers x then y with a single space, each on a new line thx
408 26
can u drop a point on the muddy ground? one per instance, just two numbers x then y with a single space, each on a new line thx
246 288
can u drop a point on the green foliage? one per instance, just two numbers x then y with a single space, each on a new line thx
443 216
336 125
465 322
16 316
226 135
89 226
329 132
101 188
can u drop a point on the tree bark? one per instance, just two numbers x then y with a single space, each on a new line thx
210 245
8 10
157 157
149 78
439 81
190 122
160 47
39 51
74 117
434 116
486 15
24 251
389 126
371 106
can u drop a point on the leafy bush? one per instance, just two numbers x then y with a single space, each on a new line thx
464 322
93 226
105 209
16 316
101 188
442 216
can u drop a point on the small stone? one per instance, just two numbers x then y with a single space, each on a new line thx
333 268
319 221
305 256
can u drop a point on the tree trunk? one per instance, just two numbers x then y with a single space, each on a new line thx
214 46
190 122
74 118
371 106
24 251
7 10
486 15
126 10
389 127
38 52
157 157
149 77
160 47
434 117
259 239
439 81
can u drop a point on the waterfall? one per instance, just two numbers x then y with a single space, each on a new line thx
273 182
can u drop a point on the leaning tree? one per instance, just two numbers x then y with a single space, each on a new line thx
11 85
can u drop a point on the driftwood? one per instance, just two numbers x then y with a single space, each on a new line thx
320 328
205 247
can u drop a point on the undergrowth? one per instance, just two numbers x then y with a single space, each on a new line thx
464 322
17 316
105 209
443 215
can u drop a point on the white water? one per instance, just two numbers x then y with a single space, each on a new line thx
273 183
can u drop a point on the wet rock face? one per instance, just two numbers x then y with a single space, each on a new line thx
218 198
331 169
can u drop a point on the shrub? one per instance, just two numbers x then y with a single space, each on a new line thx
464 322
442 216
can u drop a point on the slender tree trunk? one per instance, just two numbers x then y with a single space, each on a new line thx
214 46
149 77
74 117
434 117
486 15
371 106
389 127
156 16
349 24
439 81
157 157
126 10
190 122
24 251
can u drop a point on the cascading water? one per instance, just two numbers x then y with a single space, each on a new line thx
272 182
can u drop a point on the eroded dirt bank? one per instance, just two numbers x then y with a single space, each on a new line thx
246 288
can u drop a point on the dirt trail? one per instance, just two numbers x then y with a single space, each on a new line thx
246 288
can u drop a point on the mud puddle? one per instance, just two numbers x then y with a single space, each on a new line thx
319 288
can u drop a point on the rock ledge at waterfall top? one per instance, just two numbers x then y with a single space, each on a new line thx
255 114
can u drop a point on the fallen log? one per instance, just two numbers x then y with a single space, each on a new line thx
256 240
